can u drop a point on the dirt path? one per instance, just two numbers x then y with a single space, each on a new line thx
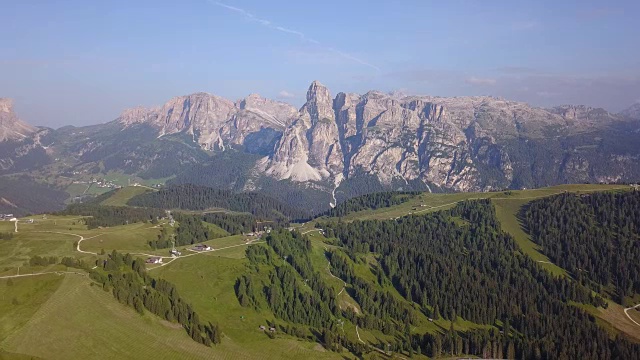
626 312
80 240
344 284
174 258
42 273
312 230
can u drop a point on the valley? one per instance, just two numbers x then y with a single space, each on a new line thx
207 279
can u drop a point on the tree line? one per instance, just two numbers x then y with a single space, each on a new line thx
193 197
128 281
596 237
460 264
104 216
371 202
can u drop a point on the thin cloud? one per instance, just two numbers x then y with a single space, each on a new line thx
284 94
251 17
480 81
525 25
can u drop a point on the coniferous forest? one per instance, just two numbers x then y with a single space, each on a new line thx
596 237
452 265
193 197
128 281
370 201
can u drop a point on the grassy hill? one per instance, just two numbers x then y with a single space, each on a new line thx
37 319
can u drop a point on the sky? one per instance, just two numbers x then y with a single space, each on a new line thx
82 62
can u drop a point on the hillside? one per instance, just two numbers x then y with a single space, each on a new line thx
390 275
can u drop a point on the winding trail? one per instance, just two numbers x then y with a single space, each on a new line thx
344 284
358 333
626 312
312 230
43 273
174 258
80 240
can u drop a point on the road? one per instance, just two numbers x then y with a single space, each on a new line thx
344 284
312 230
42 273
174 258
81 239
626 312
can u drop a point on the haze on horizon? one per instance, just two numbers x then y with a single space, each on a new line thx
79 63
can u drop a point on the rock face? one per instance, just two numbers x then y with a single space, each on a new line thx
12 128
20 146
216 123
447 142
342 146
459 143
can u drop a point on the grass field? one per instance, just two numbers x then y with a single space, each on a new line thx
208 282
61 316
79 321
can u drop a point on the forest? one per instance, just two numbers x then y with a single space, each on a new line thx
596 237
128 281
370 202
98 215
459 263
193 197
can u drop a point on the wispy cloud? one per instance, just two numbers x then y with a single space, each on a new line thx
480 81
525 25
284 94
302 36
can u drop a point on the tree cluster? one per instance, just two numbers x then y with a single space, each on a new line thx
459 263
370 202
192 197
98 215
596 237
130 284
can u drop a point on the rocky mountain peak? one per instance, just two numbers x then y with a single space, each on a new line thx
6 105
11 127
319 104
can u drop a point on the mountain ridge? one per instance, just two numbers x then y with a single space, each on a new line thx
344 145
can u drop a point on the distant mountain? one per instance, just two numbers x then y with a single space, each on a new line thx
335 148
20 147
632 112
12 128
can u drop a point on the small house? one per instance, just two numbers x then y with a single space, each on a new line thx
272 329
202 247
263 328
154 260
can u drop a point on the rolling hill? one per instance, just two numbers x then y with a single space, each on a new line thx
423 275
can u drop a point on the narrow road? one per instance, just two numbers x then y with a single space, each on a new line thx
42 273
626 312
344 284
358 333
308 231
82 238
174 258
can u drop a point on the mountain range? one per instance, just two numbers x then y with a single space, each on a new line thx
334 148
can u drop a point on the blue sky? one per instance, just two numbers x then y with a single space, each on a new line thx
82 62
